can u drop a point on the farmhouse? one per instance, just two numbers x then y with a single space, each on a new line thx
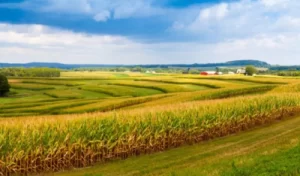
208 73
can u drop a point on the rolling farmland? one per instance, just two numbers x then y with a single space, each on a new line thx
87 118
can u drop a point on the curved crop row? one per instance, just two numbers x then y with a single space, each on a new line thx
227 93
31 86
250 80
182 82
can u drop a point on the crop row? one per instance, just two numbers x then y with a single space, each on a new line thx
31 86
213 86
227 93
119 90
242 79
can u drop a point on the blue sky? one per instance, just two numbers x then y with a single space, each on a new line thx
149 31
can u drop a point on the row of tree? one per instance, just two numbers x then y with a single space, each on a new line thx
289 73
30 72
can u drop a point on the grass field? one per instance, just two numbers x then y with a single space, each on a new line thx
87 118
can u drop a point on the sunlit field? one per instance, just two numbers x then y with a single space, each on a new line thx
85 118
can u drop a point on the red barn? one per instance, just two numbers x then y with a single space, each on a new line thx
208 73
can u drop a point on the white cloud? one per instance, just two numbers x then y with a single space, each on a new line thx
245 18
74 6
99 10
43 35
274 2
216 12
264 29
102 16
27 43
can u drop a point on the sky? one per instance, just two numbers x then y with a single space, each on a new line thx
149 31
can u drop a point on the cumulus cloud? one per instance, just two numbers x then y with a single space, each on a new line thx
244 18
263 29
43 35
102 16
27 43
216 12
99 10
274 2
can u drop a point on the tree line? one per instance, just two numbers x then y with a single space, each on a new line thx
30 72
289 73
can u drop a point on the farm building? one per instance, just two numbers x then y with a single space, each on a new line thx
208 73
152 72
241 71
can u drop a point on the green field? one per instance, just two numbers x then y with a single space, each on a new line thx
219 125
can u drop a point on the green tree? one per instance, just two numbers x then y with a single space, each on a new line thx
251 70
4 86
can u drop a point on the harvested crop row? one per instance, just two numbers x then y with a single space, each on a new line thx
53 146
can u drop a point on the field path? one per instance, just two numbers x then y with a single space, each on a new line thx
207 158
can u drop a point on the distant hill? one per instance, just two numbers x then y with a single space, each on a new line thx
256 63
234 63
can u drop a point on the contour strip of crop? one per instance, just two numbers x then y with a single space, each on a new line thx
118 90
181 82
163 87
259 81
141 86
112 104
227 93
69 94
51 82
48 108
30 86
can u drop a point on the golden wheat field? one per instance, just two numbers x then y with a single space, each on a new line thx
82 119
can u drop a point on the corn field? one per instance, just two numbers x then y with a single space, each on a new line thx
38 145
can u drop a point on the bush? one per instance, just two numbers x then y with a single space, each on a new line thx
4 86
251 70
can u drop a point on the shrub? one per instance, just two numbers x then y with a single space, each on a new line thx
4 86
251 70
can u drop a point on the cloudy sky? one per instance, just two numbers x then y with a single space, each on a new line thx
149 31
